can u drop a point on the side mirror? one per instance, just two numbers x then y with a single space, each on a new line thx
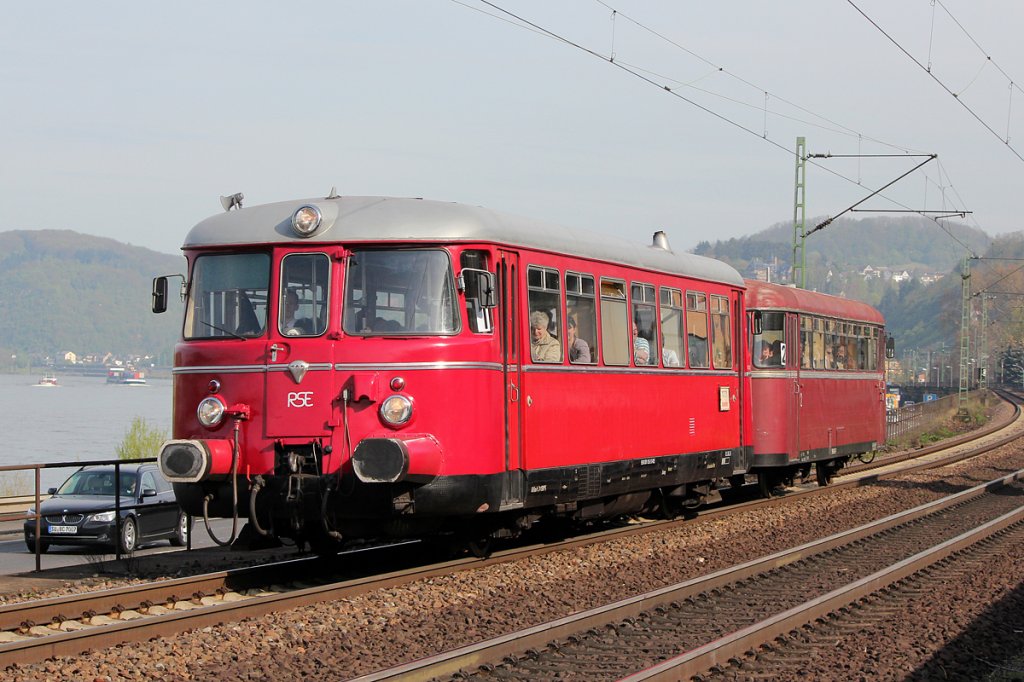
890 347
758 326
486 288
159 294
51 491
148 492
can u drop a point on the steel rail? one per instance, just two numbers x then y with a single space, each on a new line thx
691 663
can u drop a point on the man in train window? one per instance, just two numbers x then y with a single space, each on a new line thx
543 346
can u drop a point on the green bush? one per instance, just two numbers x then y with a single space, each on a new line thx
141 441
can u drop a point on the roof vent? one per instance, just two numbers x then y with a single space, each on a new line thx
661 241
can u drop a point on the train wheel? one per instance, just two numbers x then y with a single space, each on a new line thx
766 483
480 548
824 472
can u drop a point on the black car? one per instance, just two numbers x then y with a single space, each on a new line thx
81 512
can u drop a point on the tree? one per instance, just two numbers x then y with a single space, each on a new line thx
141 441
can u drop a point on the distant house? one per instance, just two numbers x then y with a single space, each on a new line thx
930 278
70 358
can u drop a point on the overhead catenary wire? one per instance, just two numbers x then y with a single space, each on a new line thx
927 69
523 23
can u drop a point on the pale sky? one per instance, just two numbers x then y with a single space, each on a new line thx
129 120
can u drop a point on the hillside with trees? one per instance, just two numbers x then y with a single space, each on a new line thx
922 311
64 291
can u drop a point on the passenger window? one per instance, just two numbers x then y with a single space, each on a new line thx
819 343
479 317
806 342
769 345
614 322
697 329
645 325
581 318
721 332
672 345
545 321
302 309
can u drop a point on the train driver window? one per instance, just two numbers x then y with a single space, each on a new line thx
545 304
769 345
806 341
227 296
614 321
645 325
697 329
401 292
721 332
302 307
581 318
477 313
672 334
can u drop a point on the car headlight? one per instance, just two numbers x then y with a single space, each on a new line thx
104 517
396 410
210 411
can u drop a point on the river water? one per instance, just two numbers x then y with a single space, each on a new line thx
84 418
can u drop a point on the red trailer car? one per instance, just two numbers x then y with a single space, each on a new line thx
817 382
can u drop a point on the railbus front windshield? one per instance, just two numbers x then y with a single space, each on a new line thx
407 291
228 296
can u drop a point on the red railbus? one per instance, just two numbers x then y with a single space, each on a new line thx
817 382
355 367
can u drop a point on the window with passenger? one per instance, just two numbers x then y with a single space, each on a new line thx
406 292
545 319
645 325
721 332
697 329
581 318
227 296
769 345
672 332
302 307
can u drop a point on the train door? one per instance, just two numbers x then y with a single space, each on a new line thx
791 363
511 349
299 379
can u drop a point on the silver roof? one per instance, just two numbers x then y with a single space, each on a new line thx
351 220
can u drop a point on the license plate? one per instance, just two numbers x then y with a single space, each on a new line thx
63 530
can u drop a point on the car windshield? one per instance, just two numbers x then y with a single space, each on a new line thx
96 483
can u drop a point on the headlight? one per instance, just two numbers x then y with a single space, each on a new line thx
306 220
396 410
210 411
103 517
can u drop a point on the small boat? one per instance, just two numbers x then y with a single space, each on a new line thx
48 379
132 377
114 375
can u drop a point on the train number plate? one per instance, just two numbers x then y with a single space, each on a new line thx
63 530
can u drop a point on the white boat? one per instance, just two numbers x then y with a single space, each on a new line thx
48 379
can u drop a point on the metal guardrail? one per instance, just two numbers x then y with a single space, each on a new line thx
9 513
912 420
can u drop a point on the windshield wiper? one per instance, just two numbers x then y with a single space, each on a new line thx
229 333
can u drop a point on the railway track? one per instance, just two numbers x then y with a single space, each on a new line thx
683 630
32 631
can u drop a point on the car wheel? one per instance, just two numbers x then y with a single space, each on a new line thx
181 530
129 535
30 542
